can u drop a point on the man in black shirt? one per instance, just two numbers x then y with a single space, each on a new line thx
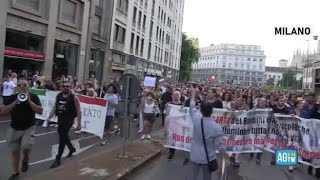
21 133
67 107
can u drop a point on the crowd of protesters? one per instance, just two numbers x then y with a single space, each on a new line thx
153 101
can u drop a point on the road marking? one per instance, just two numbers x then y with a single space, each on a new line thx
76 145
5 121
94 172
42 134
4 141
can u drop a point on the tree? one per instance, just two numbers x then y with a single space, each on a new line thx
289 80
190 54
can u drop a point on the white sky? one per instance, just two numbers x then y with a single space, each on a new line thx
252 22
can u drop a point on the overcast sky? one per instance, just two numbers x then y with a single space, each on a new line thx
252 22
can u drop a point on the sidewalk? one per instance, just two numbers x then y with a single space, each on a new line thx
106 164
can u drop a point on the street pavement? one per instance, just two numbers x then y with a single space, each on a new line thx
46 145
161 169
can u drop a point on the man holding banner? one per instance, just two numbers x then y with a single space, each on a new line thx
67 107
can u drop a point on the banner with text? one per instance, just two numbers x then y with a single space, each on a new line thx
93 111
251 131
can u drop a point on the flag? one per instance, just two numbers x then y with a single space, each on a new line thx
39 92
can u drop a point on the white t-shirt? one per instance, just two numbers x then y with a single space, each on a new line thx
8 87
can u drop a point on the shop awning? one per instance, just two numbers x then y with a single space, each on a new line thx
23 54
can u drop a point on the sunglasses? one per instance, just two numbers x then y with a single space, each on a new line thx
65 86
22 85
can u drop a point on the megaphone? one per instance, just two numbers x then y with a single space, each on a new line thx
22 97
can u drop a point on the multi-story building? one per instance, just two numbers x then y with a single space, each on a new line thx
43 35
275 74
105 38
231 63
147 35
283 63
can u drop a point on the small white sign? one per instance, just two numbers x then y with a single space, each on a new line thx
149 81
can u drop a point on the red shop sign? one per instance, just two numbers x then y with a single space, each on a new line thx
23 53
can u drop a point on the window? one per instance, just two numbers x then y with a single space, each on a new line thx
261 60
69 11
167 39
118 58
248 66
96 64
122 6
224 57
131 42
137 44
144 21
99 3
97 24
139 18
119 33
249 59
149 51
33 4
236 58
134 17
254 59
142 47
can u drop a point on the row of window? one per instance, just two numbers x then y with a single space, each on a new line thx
230 58
210 52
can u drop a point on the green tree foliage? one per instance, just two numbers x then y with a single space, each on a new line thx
189 54
289 80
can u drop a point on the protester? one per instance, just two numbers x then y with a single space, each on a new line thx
176 100
149 108
22 129
206 139
66 108
113 102
8 89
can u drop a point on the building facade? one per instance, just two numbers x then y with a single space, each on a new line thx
231 63
146 38
283 63
81 38
46 36
275 74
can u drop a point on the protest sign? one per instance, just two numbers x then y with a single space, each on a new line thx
296 133
244 131
93 111
47 99
149 81
93 115
251 131
179 128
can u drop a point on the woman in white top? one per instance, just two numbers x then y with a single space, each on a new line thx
148 107
226 101
8 89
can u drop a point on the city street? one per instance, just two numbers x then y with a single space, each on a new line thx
175 170
46 146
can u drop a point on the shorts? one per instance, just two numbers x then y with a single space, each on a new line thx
6 100
107 125
151 117
21 139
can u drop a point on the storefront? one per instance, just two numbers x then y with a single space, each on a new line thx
96 64
23 52
65 59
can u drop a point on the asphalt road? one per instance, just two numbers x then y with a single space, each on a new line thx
161 169
45 147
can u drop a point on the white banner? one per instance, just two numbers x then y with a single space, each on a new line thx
47 102
93 112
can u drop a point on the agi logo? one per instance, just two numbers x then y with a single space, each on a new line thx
286 157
